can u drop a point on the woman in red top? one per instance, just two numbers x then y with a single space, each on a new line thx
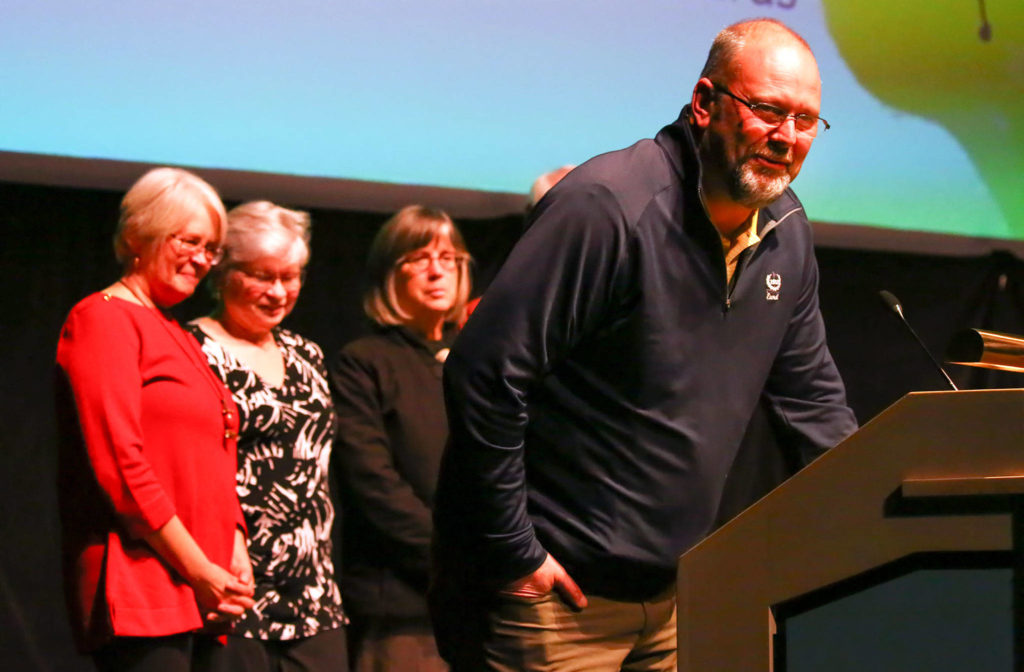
153 535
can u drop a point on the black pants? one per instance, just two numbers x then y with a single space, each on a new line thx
323 652
185 652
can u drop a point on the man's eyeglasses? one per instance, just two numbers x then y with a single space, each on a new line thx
775 116
421 262
267 280
191 246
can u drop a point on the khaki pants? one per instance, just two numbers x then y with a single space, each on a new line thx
545 635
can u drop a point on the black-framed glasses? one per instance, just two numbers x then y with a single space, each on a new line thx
775 116
191 246
421 262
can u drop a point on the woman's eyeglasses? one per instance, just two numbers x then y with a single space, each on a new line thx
268 280
192 246
420 262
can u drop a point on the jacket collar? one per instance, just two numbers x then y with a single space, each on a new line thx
414 339
681 149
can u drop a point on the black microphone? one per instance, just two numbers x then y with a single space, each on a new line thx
893 304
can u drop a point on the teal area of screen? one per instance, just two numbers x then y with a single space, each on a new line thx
478 94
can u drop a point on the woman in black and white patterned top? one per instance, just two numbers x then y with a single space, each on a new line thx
287 428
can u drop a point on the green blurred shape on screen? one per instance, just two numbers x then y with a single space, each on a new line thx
942 61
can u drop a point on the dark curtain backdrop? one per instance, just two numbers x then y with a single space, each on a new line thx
56 249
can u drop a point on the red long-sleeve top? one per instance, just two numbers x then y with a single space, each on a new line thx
146 433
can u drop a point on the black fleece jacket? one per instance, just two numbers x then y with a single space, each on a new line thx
391 433
598 394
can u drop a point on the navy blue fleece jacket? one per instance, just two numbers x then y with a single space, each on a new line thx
598 395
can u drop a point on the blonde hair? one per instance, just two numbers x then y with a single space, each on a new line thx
411 228
160 203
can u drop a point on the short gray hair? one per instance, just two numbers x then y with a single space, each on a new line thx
159 204
731 40
260 228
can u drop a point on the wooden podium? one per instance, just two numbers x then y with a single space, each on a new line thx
937 472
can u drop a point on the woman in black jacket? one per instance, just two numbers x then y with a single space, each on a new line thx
392 431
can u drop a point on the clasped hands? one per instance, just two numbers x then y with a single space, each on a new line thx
225 595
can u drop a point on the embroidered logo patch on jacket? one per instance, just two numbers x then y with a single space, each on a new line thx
773 282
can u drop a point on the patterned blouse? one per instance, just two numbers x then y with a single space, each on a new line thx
284 449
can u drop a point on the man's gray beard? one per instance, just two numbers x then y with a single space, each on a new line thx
755 191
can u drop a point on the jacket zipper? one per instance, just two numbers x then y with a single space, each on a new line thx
744 259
